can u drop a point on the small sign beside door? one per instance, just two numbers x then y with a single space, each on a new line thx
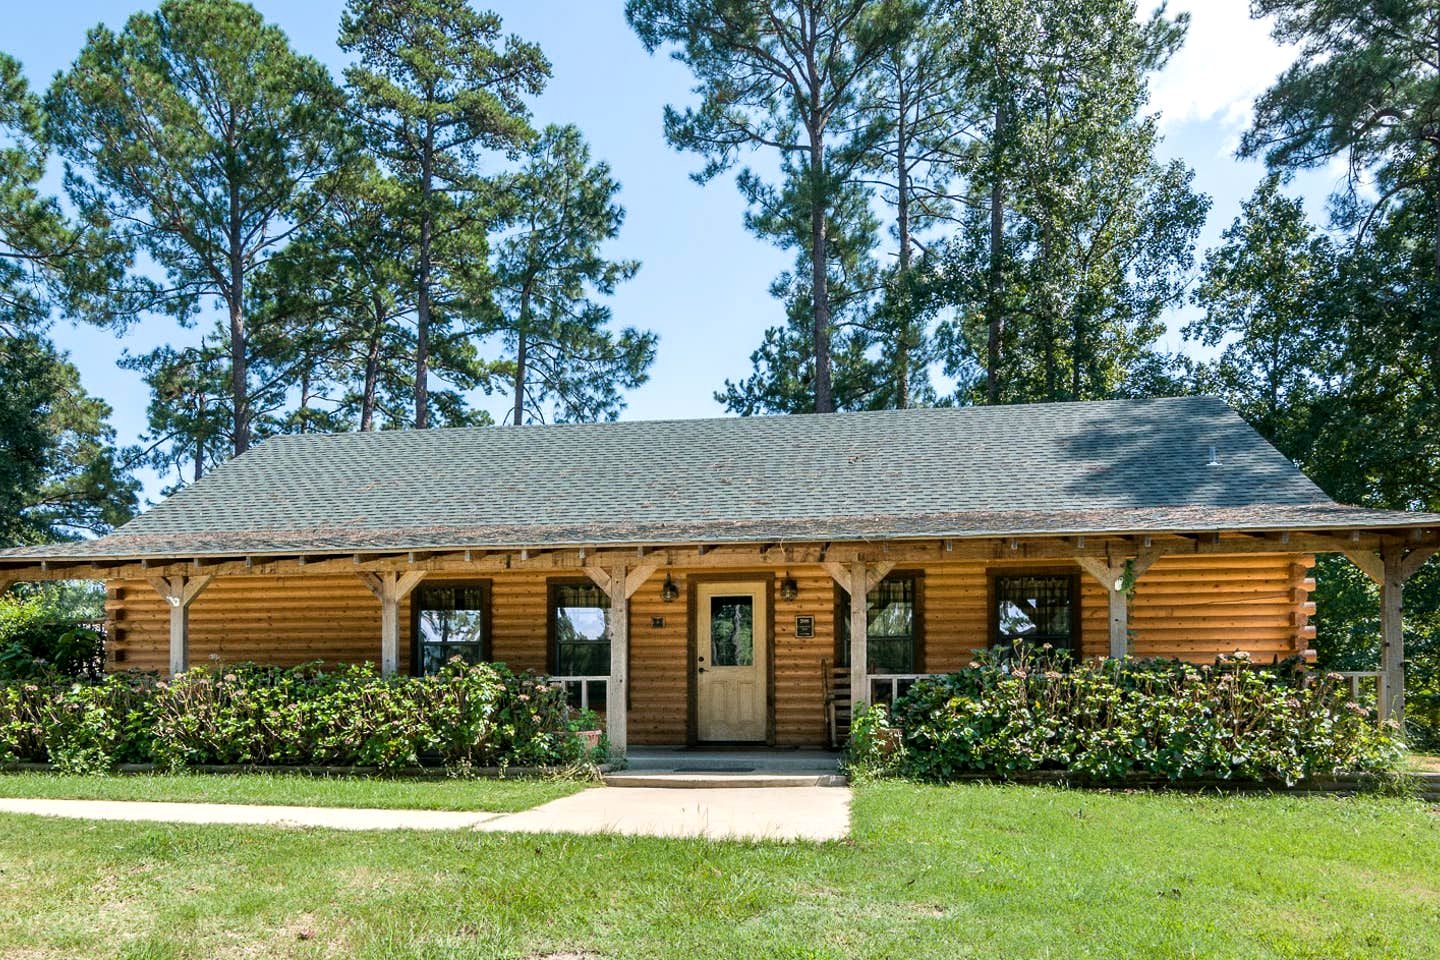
804 626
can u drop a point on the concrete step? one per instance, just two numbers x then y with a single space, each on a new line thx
732 779
703 761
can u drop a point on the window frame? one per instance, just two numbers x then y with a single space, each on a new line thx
992 594
487 603
842 616
553 586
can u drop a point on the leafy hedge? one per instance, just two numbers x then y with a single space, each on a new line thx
463 717
1108 719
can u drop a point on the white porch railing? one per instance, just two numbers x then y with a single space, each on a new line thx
1357 678
584 685
889 687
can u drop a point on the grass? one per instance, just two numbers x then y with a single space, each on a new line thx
295 789
972 871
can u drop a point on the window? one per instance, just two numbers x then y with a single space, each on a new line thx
579 621
1036 609
892 614
450 621
732 631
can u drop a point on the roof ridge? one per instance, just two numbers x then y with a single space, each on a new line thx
766 418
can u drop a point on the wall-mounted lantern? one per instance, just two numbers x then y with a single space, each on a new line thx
789 589
669 592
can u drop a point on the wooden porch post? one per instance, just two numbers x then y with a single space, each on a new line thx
179 593
1395 564
619 583
1112 577
859 638
858 579
1392 635
390 588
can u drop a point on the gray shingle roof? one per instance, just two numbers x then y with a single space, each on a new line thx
1116 466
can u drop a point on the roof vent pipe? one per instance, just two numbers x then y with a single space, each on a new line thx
1214 460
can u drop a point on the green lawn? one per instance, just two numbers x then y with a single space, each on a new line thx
295 789
975 871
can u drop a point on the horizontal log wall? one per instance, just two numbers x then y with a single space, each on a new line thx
279 620
1194 608
1189 607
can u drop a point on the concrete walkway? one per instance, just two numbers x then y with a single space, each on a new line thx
798 813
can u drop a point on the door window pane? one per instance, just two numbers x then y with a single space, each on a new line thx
580 620
1035 610
732 631
450 622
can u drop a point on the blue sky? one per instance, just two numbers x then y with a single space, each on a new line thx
704 280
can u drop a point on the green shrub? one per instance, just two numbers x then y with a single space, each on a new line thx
1108 719
40 634
465 716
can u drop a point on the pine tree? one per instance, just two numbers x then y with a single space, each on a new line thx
564 363
436 85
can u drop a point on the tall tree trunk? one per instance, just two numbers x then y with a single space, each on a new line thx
819 276
372 368
239 347
1077 378
304 409
521 359
422 306
995 301
904 333
200 434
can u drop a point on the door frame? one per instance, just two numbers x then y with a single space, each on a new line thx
766 581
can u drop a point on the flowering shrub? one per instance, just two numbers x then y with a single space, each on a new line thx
465 716
1111 718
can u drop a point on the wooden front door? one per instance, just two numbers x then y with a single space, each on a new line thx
731 651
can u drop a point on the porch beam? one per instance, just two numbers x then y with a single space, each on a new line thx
1034 549
390 588
179 592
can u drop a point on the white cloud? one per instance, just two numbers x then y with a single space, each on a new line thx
1227 61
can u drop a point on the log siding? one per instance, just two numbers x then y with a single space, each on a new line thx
1192 607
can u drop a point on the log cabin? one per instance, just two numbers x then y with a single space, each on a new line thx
745 580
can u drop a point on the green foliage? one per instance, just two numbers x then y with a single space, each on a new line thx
1332 349
561 360
463 717
1077 237
436 84
60 472
787 79
237 127
1109 719
39 635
